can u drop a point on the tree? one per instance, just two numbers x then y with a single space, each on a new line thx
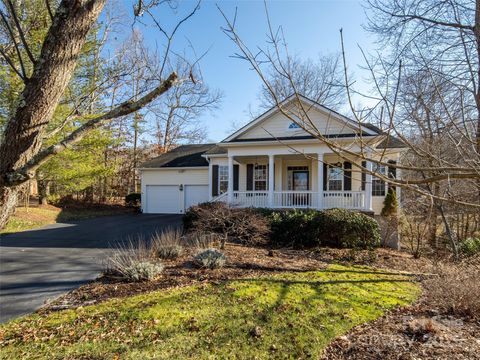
321 81
43 88
176 114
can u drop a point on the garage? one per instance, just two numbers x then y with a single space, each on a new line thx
174 181
174 199
195 194
163 199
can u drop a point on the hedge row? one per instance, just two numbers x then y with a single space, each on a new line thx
292 228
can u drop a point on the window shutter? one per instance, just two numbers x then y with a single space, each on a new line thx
364 175
249 177
235 177
325 176
215 180
347 176
392 172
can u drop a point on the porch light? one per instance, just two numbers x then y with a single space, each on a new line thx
180 187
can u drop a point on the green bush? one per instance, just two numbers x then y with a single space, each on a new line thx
334 227
133 200
210 259
470 246
296 228
142 271
390 203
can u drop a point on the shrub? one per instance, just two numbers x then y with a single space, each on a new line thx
133 261
133 200
455 289
210 259
296 228
469 247
168 244
142 271
243 225
348 229
334 227
390 203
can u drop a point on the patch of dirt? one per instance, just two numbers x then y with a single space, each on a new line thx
409 334
242 262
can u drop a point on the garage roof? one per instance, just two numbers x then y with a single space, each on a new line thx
182 156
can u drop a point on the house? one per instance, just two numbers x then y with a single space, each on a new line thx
278 163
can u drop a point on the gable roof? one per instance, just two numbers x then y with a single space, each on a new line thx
182 156
367 129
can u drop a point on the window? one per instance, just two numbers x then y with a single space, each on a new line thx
260 177
378 185
335 178
294 125
222 179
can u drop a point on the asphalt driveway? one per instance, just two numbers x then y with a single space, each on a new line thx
37 266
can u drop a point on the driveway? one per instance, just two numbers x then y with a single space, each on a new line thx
37 266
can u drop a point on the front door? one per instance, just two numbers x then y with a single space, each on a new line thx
300 180
300 183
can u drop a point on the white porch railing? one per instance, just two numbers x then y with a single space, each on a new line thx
250 198
298 199
295 199
344 200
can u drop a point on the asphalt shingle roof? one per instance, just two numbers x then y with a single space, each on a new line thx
182 156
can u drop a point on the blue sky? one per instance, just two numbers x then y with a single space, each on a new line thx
311 28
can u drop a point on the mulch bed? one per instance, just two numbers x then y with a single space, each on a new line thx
398 335
242 262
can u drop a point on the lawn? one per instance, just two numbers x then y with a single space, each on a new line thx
33 217
289 315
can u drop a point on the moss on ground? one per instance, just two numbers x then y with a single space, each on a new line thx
291 315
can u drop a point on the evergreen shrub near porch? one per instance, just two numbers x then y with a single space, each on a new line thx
296 228
334 227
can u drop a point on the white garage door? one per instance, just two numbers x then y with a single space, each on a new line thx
195 194
163 199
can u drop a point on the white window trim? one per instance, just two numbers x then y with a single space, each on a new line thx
225 168
255 180
342 177
376 169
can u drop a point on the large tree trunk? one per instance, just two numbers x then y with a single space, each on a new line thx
42 92
8 200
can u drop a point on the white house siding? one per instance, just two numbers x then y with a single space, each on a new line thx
277 125
172 176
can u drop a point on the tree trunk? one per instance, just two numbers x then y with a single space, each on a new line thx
43 191
36 104
8 200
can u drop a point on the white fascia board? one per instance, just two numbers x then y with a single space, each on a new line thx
175 168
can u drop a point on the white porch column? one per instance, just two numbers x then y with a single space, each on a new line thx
230 179
210 176
271 179
320 181
368 186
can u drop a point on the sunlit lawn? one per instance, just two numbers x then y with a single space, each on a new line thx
34 217
292 315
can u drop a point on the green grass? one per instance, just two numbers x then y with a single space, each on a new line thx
26 219
298 314
33 217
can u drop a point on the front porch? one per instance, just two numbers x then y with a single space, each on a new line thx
354 200
319 181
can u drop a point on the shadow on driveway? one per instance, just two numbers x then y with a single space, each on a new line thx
37 266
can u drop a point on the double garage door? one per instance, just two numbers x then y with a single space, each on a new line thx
171 199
